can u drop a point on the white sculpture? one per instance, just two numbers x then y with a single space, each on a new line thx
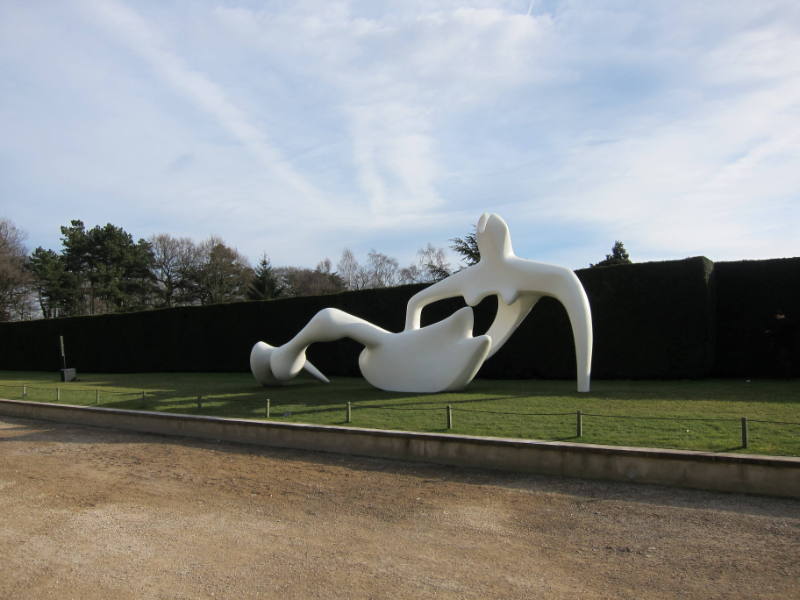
444 355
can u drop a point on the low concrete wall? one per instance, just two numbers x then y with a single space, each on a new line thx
775 476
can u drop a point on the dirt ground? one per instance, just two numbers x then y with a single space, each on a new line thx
92 513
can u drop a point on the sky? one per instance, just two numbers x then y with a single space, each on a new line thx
299 128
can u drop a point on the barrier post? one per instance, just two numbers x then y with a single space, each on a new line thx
744 432
199 401
24 392
578 424
349 413
266 409
449 416
58 394
97 396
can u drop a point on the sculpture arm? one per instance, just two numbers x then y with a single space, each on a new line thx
446 288
562 284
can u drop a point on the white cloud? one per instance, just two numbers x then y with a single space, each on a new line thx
397 79
126 25
300 128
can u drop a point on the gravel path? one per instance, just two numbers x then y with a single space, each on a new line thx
93 513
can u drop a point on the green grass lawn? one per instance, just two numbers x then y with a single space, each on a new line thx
478 410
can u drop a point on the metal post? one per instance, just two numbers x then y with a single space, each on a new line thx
744 432
349 413
449 416
266 412
578 424
63 356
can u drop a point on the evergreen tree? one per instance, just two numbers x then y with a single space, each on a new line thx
618 256
265 284
467 247
112 270
57 289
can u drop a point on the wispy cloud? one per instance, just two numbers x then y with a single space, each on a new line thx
399 77
125 25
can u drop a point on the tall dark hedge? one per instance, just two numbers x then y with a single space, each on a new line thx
650 320
749 293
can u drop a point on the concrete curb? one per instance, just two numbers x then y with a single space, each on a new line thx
767 475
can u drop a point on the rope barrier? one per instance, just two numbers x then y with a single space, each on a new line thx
399 408
29 388
726 419
774 422
525 414
70 388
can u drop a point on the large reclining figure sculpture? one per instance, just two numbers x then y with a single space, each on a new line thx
445 355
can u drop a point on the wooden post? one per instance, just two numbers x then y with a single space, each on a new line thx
349 413
266 411
744 432
578 424
449 416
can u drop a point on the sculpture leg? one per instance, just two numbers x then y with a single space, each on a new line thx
260 365
571 294
327 325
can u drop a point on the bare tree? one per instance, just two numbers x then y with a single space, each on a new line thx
223 274
410 274
348 270
433 263
382 270
15 279
431 266
174 260
298 281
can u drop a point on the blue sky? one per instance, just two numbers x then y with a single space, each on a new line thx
300 128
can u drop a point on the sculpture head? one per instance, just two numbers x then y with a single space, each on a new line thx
494 239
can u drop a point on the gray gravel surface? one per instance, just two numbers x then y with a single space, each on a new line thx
93 513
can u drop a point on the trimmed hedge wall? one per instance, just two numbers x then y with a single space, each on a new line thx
651 320
749 292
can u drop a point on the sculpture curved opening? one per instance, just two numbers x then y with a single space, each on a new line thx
444 355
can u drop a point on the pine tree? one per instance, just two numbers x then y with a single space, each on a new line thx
265 283
467 247
618 256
